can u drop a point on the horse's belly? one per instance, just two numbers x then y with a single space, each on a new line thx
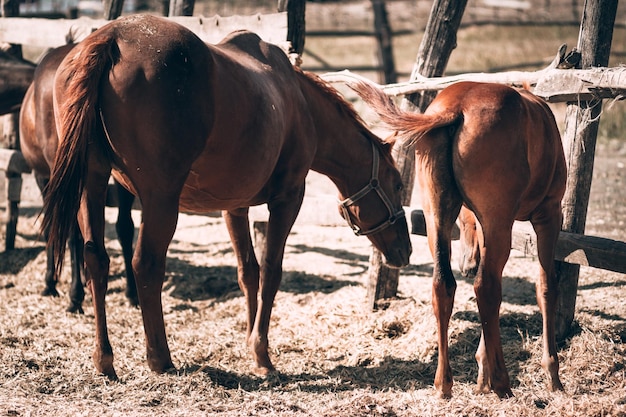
196 199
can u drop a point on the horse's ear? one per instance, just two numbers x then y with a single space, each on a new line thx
390 140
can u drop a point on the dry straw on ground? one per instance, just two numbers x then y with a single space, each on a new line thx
335 358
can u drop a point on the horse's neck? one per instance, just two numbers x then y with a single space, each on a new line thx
344 151
344 155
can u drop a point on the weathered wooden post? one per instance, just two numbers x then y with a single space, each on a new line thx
10 139
296 26
112 8
384 38
296 11
181 7
437 44
579 141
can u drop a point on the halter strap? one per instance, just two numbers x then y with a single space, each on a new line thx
373 185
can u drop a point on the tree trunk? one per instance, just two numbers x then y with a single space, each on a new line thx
437 44
579 142
296 27
384 38
112 8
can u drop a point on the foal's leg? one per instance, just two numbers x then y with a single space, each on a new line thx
158 224
125 229
247 273
547 224
495 248
441 203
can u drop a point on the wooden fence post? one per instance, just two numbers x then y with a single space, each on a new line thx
181 7
437 44
296 27
579 141
10 139
112 9
384 38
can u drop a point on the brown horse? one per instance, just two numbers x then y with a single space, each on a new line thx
498 151
199 127
38 143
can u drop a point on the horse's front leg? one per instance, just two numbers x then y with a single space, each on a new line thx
247 266
283 214
159 218
125 228
547 225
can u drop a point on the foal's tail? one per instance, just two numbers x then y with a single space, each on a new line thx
76 91
414 124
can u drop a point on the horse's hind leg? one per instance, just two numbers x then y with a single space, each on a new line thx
91 221
441 202
158 224
77 289
50 279
492 372
125 228
75 243
547 224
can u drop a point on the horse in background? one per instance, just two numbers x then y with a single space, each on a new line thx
497 151
197 127
39 143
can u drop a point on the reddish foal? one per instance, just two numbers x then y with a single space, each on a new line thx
498 151
38 143
199 127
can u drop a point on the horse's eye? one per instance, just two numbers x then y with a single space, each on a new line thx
399 187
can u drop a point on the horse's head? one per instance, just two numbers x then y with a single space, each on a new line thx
470 249
376 211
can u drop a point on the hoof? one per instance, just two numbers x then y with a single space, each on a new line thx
444 395
75 309
133 300
161 367
264 370
505 393
50 292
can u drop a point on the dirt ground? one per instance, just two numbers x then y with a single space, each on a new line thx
335 357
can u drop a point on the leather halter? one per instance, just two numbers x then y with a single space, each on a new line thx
373 185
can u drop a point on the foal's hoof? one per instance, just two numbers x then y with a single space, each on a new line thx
264 370
104 366
504 393
444 395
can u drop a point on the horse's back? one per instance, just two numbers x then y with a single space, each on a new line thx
38 136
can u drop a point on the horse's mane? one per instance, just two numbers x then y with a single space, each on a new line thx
345 108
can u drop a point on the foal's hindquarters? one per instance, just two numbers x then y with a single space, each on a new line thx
498 152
